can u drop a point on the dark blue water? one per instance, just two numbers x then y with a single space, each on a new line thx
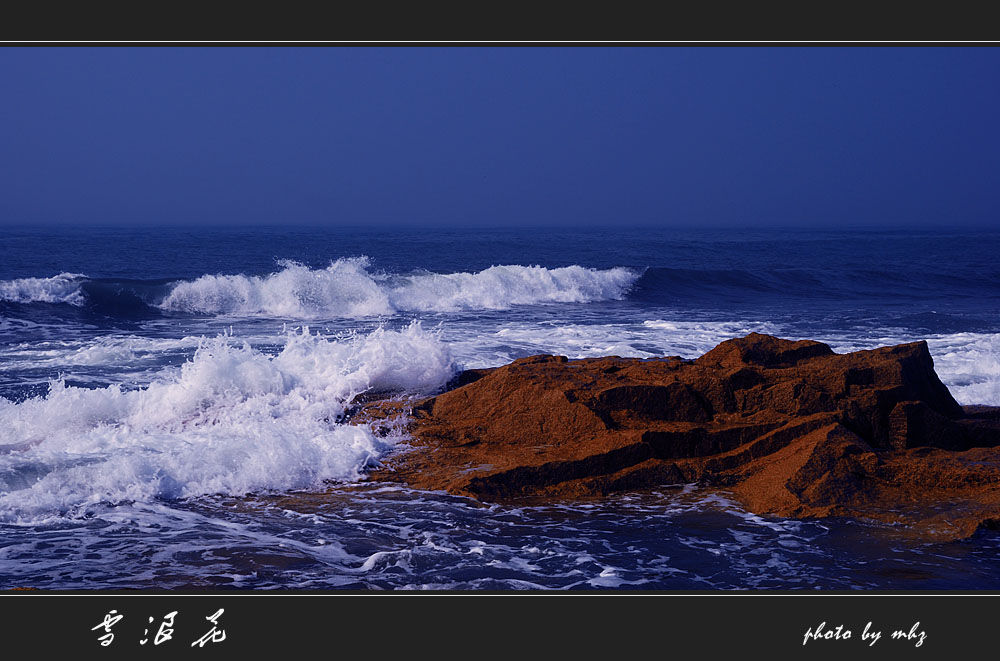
163 390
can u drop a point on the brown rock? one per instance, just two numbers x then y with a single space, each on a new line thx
790 428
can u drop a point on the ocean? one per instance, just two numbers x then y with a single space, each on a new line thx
172 400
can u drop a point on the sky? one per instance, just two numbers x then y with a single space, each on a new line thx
498 136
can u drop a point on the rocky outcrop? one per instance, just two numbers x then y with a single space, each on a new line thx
789 428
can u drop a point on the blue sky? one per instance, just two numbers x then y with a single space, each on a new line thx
667 136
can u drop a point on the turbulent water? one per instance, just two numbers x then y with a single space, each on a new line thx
171 400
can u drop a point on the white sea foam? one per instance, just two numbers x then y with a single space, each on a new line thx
62 288
969 364
112 350
347 288
232 420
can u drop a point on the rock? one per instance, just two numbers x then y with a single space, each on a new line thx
789 428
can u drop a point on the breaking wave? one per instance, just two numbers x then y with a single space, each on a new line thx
62 288
231 420
347 288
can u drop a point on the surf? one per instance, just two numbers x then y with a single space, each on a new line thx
231 420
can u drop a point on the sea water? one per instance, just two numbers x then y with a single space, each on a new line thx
172 400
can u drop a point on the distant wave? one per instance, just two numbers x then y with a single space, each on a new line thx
62 288
347 289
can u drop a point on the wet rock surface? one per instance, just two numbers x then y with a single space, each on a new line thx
790 428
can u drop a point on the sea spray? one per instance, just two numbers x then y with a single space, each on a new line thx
232 420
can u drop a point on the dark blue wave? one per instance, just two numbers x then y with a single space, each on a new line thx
126 299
